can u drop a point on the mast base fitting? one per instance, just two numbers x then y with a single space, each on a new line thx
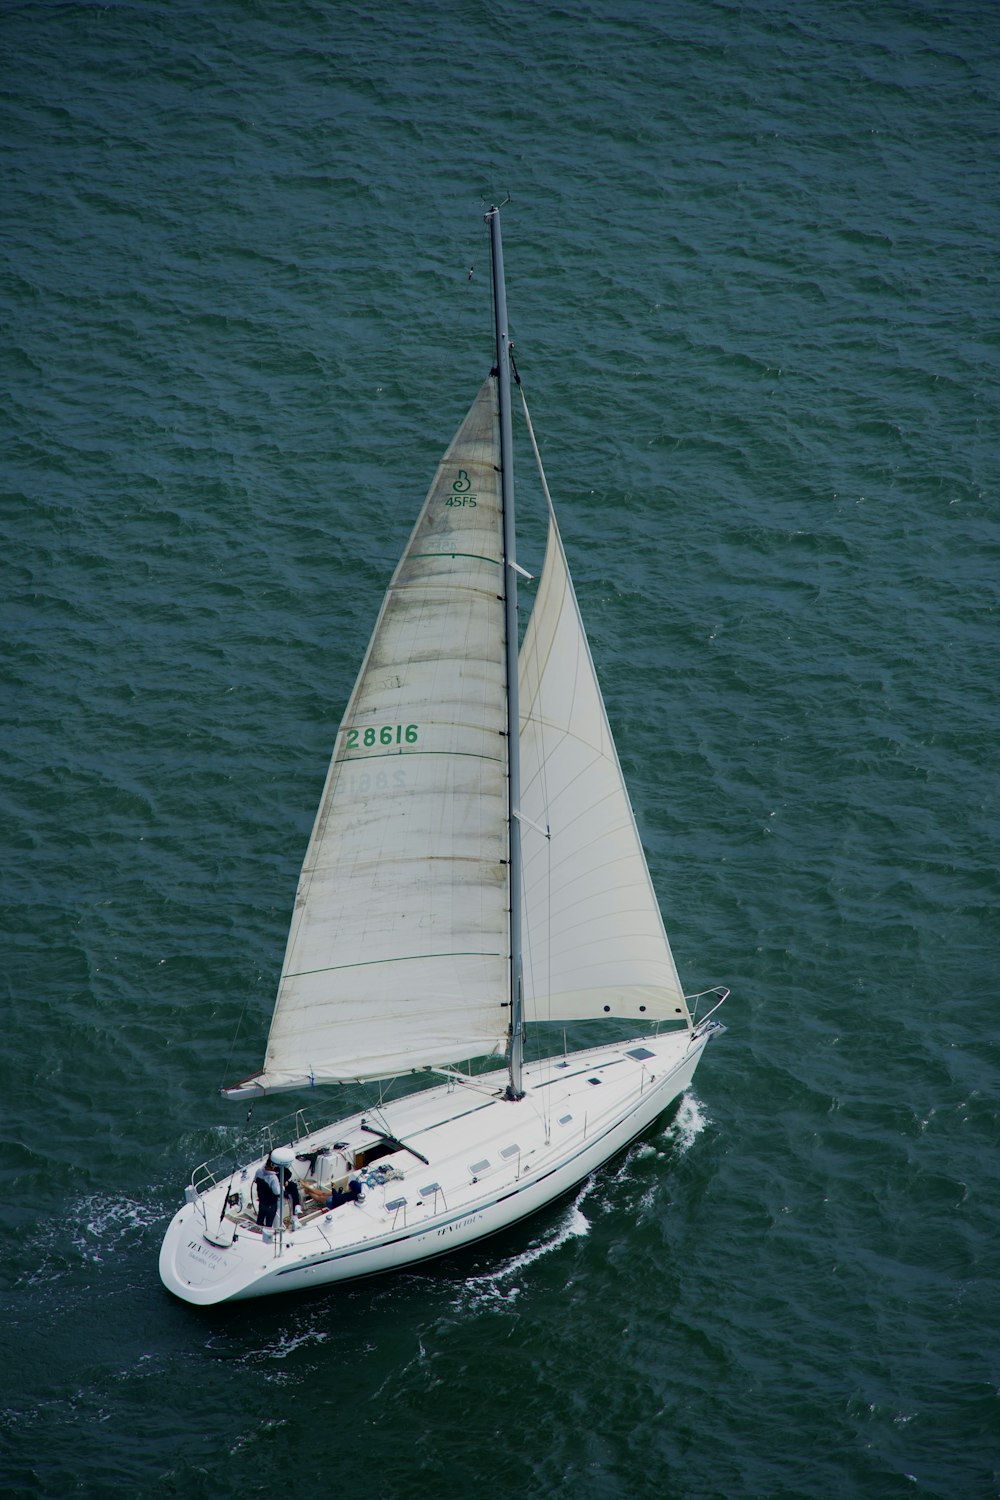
513 1094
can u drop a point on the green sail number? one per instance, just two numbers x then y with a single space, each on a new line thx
388 734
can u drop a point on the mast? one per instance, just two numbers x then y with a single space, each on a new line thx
516 1053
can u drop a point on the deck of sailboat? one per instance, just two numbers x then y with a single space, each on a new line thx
462 1160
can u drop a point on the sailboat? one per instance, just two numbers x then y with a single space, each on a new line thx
474 868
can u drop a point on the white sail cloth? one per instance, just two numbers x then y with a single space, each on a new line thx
398 956
594 942
398 953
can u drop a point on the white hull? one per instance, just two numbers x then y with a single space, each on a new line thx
490 1162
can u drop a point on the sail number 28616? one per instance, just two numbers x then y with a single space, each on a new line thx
388 734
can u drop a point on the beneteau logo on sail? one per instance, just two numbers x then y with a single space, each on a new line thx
460 492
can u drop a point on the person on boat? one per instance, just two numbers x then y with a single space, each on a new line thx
290 1187
332 1197
276 1179
268 1192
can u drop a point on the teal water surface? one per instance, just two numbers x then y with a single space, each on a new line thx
751 274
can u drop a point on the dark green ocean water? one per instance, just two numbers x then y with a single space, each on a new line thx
752 273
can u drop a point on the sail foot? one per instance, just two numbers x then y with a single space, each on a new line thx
633 1002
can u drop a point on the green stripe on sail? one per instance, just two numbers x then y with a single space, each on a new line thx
475 556
351 759
403 958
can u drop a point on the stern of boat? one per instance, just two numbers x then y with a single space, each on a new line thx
195 1268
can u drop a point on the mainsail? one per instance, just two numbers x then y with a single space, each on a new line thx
398 953
594 943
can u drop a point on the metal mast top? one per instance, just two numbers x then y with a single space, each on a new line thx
516 1053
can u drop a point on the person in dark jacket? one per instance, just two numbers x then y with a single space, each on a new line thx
268 1192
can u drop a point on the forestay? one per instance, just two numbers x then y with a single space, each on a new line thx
594 939
398 954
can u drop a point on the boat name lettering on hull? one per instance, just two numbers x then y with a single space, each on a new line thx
465 1223
215 1258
